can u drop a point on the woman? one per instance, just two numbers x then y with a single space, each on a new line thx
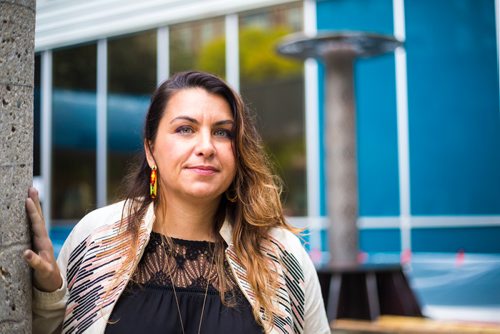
199 245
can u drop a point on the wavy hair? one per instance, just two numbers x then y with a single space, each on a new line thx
257 189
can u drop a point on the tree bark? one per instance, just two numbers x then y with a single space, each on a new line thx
17 32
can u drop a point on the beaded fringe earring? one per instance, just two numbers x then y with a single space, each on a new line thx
153 183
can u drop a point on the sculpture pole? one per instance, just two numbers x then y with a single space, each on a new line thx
338 51
340 141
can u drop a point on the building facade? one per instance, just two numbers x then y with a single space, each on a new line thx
428 116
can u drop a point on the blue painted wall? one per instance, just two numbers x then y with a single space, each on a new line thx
380 240
484 239
453 102
454 118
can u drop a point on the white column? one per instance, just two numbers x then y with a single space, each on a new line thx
46 135
312 137
311 98
232 51
102 110
402 119
312 116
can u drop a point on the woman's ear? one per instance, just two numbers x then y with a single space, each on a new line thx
148 146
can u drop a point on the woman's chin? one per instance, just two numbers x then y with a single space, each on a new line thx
204 195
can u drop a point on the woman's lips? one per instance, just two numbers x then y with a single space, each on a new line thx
203 170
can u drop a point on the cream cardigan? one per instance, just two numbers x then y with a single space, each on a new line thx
95 250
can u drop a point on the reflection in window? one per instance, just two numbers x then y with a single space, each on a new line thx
198 45
73 132
273 87
131 81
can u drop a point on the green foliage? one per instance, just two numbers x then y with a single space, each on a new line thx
212 57
181 59
258 57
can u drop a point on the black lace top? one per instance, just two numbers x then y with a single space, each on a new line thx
148 303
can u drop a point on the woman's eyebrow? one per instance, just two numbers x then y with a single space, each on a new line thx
224 122
194 121
186 118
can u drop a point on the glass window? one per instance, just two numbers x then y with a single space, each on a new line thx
73 133
131 81
198 45
273 87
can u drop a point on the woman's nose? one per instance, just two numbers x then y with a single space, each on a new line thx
205 145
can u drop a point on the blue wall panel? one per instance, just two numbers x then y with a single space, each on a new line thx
453 101
366 15
469 239
376 105
380 240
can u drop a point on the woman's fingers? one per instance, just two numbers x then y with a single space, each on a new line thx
40 238
46 272
33 194
46 276
37 223
37 263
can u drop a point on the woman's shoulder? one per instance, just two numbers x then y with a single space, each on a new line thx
290 249
286 240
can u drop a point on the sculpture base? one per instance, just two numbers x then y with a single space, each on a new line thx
367 291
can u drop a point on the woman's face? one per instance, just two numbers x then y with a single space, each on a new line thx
193 147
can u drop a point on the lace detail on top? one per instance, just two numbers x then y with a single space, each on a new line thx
187 261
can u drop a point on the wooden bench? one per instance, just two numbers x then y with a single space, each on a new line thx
413 325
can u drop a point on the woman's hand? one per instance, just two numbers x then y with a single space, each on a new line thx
46 275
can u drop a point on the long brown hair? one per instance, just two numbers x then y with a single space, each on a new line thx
257 208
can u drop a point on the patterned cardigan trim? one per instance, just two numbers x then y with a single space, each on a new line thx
290 297
93 285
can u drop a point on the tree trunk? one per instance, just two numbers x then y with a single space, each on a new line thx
17 32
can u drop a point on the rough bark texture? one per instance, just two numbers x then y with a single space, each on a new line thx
17 32
341 159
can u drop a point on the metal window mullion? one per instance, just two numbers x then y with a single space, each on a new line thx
102 97
232 51
46 135
162 55
403 131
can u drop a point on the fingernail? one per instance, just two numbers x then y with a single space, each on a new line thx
28 255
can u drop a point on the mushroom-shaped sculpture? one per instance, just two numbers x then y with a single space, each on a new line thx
338 50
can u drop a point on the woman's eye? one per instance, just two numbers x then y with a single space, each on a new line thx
222 133
184 130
